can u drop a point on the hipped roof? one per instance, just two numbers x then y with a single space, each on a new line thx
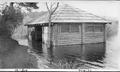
68 14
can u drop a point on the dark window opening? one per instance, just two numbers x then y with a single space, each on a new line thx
98 29
94 28
69 28
74 28
90 29
65 28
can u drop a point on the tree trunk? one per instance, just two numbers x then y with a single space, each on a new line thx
51 10
50 43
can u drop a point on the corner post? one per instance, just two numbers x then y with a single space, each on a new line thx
82 41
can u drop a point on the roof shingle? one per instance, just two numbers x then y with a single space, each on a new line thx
67 13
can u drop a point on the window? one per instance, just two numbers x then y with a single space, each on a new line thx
98 29
65 28
94 28
90 29
69 28
74 28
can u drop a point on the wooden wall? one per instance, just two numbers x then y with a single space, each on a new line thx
65 38
76 38
93 37
70 43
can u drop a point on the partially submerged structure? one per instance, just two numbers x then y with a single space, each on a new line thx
74 32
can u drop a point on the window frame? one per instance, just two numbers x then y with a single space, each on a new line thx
70 25
94 25
61 26
78 29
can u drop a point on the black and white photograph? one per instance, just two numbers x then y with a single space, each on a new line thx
60 35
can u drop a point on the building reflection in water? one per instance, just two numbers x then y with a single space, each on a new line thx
90 52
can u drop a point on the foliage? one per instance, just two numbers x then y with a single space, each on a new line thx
13 55
29 4
66 63
12 16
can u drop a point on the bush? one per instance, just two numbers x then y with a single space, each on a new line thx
66 63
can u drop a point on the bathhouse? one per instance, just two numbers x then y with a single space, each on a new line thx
74 32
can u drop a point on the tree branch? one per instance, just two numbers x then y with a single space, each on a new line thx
55 8
47 7
51 7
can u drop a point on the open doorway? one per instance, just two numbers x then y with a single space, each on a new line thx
37 39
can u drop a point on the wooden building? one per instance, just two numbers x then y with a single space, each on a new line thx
73 31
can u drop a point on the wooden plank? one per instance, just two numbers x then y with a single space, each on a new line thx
94 37
68 42
92 40
72 38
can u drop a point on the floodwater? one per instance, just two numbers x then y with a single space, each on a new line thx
111 50
90 52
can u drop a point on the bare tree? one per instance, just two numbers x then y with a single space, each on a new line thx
51 9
